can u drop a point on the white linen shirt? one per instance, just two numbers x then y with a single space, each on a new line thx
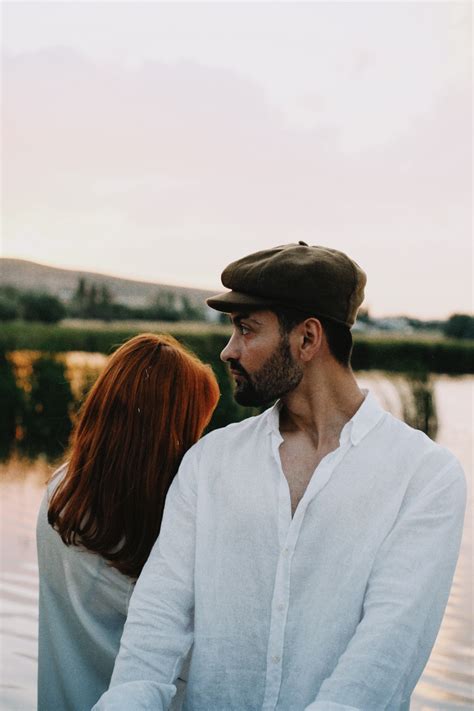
334 609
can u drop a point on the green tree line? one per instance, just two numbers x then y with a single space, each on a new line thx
92 301
96 301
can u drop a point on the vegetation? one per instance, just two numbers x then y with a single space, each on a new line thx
30 306
418 404
460 326
91 301
387 352
411 355
8 306
38 411
41 307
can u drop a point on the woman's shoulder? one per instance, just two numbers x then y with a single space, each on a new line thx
83 572
43 528
56 479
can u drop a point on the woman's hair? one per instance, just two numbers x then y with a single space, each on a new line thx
149 405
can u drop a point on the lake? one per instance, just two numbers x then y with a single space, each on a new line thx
447 682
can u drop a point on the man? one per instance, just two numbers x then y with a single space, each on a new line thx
307 553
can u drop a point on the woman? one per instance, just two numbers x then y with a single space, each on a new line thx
102 510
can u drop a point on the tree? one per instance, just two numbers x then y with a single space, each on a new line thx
105 306
459 326
189 311
41 307
9 309
77 305
164 307
81 294
91 302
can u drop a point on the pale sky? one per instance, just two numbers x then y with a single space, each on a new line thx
160 141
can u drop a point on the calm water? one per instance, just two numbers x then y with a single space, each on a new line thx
447 683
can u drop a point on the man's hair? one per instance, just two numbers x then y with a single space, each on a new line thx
338 335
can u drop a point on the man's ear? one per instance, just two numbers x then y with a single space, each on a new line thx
310 338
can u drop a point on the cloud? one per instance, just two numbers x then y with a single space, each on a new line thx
188 150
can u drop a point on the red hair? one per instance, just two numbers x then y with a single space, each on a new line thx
149 405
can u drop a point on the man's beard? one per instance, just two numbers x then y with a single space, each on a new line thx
277 377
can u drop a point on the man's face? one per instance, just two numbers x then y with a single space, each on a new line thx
260 359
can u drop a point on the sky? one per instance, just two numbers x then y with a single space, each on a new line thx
162 140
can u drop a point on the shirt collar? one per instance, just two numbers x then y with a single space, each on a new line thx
362 422
272 420
365 419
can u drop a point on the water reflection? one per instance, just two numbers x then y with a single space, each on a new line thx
44 392
419 404
447 681
47 422
12 400
22 487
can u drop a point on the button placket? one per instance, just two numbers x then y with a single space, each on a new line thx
277 629
288 531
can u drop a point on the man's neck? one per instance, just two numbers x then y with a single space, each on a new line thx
326 399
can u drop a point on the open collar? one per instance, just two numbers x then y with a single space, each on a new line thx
363 421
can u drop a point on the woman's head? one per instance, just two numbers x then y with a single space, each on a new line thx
149 405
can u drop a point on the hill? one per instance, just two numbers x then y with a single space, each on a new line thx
62 283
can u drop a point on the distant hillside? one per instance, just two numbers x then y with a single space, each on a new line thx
62 283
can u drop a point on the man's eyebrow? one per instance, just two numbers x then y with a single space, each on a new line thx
238 318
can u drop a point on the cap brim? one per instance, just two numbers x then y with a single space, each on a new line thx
236 301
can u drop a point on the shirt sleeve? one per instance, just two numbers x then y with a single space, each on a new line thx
159 629
405 599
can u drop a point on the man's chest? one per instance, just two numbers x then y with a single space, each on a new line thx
246 534
299 462
245 494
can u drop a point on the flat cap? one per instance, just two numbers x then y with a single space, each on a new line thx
314 279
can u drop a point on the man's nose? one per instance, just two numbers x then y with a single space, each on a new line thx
230 351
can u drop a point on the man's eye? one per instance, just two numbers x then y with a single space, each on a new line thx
243 329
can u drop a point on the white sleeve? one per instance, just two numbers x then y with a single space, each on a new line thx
159 629
405 600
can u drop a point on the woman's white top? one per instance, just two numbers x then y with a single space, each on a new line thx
82 610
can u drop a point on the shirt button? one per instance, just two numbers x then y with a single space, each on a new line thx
280 607
276 660
284 551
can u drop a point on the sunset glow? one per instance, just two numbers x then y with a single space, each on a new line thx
160 141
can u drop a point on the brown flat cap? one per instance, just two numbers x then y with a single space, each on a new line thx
313 279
